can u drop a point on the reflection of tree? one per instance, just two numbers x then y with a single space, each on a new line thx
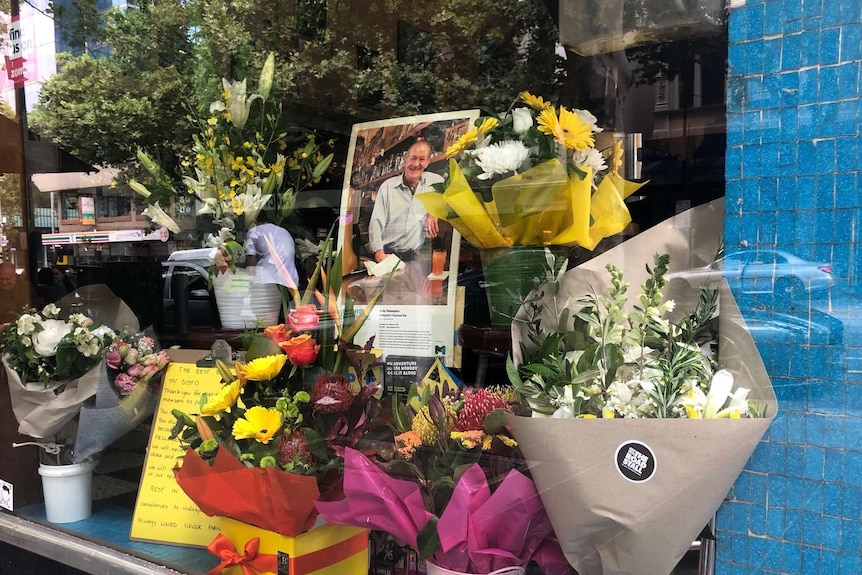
339 62
671 59
10 199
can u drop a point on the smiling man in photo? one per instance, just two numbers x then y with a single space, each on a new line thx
399 222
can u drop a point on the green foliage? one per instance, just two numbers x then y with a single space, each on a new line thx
602 361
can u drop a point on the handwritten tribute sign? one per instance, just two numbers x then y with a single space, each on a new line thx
163 512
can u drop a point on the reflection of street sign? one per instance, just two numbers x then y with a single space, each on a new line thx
15 54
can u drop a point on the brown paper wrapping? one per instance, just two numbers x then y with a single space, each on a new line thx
607 523
47 412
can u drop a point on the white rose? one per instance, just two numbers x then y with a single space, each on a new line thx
45 342
522 120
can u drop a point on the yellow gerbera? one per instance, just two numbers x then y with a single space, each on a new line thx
487 125
259 423
463 142
535 102
224 400
567 129
262 368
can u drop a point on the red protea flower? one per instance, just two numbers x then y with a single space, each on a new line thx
331 394
294 449
476 408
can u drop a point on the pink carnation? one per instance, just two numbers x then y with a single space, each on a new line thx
135 370
113 359
125 384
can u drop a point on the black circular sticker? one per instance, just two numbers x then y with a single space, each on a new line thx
635 461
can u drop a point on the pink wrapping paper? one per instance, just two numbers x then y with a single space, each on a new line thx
479 531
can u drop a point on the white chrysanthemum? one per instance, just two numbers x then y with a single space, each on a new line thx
501 158
590 158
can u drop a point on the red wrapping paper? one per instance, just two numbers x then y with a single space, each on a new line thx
267 498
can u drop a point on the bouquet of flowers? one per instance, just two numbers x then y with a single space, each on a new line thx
451 487
52 365
634 414
240 162
270 442
610 363
126 396
532 176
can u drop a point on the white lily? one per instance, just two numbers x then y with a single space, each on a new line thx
566 402
250 202
693 402
738 405
159 217
719 391
209 206
236 102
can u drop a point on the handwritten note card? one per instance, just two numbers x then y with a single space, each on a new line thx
163 512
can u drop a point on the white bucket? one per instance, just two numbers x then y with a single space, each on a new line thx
244 303
68 491
432 569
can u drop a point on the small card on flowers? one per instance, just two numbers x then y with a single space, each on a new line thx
629 495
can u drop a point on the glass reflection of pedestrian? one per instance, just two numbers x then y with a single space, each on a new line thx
61 277
14 292
50 286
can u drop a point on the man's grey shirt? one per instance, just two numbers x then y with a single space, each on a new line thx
398 218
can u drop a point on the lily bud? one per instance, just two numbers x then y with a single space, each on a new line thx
266 73
139 188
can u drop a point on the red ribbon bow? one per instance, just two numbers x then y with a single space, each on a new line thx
250 562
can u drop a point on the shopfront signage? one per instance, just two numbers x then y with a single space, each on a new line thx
163 512
87 204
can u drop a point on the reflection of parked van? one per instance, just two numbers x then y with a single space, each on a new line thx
187 297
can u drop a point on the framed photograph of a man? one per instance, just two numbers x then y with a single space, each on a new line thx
388 162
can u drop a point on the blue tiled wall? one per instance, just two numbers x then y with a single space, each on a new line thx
793 177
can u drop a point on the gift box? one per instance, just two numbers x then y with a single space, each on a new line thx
327 549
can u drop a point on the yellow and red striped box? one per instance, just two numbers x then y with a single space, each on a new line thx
324 550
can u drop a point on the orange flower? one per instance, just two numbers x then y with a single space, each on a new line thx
301 350
276 333
303 318
407 443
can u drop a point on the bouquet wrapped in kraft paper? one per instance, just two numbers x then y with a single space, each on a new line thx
52 359
631 469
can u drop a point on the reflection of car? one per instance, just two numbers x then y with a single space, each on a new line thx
187 299
760 271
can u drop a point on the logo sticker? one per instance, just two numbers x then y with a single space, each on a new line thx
635 461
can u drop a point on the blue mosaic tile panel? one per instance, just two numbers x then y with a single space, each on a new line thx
793 176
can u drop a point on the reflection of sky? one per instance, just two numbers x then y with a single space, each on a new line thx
37 35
